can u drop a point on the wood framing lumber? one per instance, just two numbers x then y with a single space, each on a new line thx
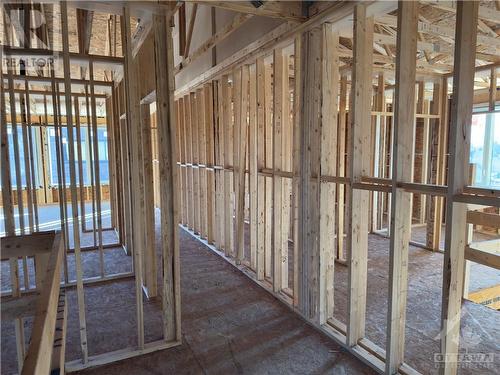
15 140
228 160
113 163
259 159
120 355
288 10
189 160
329 121
192 19
133 124
184 170
341 167
168 178
253 164
90 158
150 268
57 132
195 146
38 358
27 245
296 167
59 343
74 198
182 28
403 149
240 79
484 12
441 31
31 170
492 89
483 218
215 39
456 213
209 161
268 163
141 33
279 253
485 253
359 166
433 204
47 80
316 239
79 142
7 201
26 129
221 161
339 14
84 26
308 267
202 172
98 186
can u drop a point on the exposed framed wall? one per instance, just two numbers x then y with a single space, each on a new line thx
375 161
74 110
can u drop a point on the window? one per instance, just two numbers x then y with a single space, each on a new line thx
102 149
35 136
485 149
102 138
65 153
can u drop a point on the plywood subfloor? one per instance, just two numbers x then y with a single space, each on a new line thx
229 325
232 326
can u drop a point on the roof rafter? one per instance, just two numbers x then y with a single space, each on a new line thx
485 13
287 10
442 32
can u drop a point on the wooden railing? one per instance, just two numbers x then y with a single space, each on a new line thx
48 305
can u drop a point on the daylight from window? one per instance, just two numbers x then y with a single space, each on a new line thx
485 149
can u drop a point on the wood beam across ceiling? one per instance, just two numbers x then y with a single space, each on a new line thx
338 13
286 10
219 36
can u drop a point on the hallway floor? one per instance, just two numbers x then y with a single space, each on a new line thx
232 326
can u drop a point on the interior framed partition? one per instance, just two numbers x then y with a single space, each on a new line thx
69 129
294 151
347 135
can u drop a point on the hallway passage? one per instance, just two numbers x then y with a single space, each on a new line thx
232 326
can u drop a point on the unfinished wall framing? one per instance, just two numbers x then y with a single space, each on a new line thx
57 161
308 160
342 125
